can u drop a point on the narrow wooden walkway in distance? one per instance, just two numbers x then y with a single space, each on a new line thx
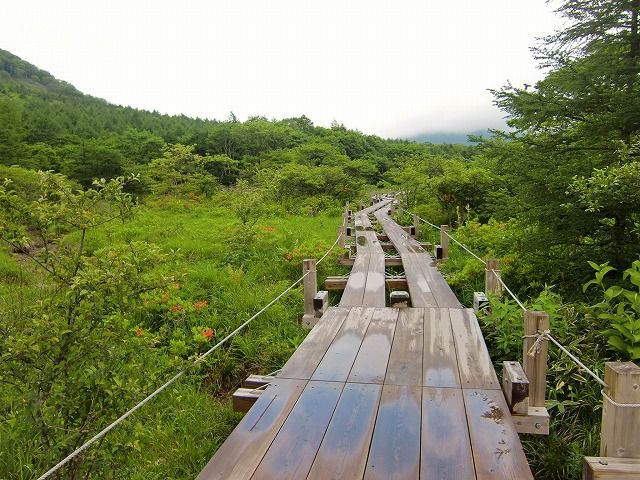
366 281
426 285
382 393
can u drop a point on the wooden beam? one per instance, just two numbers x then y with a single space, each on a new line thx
620 423
492 285
515 387
244 398
535 363
535 422
340 283
444 241
255 381
610 468
310 283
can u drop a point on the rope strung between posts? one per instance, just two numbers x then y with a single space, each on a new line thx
616 404
541 335
513 295
464 247
177 376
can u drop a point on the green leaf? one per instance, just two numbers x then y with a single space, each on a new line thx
618 344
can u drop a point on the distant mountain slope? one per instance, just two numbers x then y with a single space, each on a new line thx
15 70
448 137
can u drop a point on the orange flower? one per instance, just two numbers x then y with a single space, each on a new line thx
289 256
176 286
175 308
139 332
200 305
209 333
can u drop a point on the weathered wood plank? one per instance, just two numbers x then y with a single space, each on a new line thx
374 293
446 448
241 453
337 362
370 365
405 361
497 451
308 355
395 447
354 291
610 468
291 454
474 363
344 449
440 364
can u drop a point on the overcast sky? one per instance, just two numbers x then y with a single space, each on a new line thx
392 68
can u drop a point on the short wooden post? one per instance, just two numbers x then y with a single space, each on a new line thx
492 285
310 283
444 241
620 423
535 361
416 225
394 207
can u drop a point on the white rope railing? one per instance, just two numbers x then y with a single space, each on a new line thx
177 376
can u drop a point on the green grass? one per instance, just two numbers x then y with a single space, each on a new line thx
236 270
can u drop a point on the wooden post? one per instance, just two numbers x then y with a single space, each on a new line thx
310 283
444 241
535 364
416 225
492 285
621 424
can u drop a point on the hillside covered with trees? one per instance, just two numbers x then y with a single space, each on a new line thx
131 240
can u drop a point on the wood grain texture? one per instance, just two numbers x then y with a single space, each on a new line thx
474 363
370 365
405 361
353 293
308 355
497 451
344 449
446 448
395 447
337 362
374 292
440 364
241 453
291 453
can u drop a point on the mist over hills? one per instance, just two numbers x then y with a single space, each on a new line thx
448 137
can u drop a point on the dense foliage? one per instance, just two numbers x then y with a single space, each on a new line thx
137 243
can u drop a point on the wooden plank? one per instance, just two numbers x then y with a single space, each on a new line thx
370 366
291 454
395 447
474 363
515 387
354 290
337 362
497 451
244 398
374 293
446 448
421 295
440 364
610 468
536 421
344 449
308 355
405 361
241 453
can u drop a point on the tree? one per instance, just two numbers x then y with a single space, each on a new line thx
73 357
581 119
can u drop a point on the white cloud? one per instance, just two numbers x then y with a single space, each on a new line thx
390 68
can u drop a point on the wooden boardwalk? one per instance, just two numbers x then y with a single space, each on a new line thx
381 393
